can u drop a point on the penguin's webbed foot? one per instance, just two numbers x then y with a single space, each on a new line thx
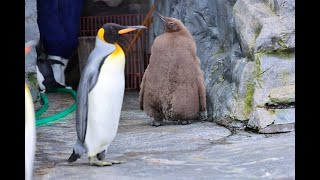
100 163
157 123
103 163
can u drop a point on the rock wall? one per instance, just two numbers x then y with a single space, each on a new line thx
107 7
32 33
246 48
110 3
267 36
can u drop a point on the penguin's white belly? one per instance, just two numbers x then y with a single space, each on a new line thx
104 107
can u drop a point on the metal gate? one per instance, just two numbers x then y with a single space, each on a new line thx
135 45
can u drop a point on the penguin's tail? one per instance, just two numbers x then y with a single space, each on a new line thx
73 157
77 152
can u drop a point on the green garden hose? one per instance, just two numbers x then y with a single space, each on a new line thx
46 120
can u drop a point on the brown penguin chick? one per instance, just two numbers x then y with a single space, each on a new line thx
173 86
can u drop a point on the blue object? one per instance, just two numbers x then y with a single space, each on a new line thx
59 25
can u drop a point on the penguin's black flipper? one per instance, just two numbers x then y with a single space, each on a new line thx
73 157
88 80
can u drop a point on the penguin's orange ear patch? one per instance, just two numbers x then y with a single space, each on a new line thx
101 34
124 31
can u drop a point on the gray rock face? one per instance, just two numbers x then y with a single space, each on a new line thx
284 8
111 3
261 118
232 96
272 120
276 74
265 26
273 128
31 33
112 7
283 94
246 48
284 116
269 40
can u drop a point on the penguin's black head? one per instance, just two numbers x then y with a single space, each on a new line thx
110 32
171 24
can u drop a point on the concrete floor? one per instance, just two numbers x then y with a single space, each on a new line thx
202 150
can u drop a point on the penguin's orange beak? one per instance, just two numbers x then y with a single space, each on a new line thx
130 28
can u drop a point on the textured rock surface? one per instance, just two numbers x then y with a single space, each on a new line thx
267 36
196 151
111 3
283 94
275 73
284 116
232 98
31 33
272 120
261 118
266 27
246 48
107 7
278 128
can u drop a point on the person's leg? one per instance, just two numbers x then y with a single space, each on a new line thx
69 15
52 33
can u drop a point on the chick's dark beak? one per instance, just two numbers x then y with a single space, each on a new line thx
161 17
128 29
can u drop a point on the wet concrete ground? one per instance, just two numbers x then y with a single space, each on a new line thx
202 150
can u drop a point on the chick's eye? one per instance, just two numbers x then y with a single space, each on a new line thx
171 23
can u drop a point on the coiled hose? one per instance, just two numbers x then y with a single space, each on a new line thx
49 119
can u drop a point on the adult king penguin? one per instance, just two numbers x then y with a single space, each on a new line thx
100 95
172 86
30 127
